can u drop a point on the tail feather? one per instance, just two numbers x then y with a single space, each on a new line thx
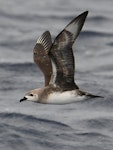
93 96
82 93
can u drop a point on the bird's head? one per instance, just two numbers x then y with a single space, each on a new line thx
31 96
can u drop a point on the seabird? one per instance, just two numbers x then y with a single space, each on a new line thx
56 61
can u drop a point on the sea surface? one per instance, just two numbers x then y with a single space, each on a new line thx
85 125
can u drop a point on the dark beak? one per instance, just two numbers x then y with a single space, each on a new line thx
23 99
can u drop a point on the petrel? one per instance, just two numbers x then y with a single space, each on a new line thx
56 61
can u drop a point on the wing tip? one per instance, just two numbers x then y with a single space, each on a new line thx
44 36
85 12
45 40
75 26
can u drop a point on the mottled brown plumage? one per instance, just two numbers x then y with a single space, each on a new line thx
41 57
59 55
62 53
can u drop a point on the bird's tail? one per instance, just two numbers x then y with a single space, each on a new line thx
93 96
82 93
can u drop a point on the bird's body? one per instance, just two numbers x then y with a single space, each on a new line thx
56 61
54 95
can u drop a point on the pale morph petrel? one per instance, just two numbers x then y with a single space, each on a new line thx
56 61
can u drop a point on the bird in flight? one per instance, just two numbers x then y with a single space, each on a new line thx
56 61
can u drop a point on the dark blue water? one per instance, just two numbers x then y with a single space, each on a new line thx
86 125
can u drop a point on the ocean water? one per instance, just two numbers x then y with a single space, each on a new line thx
85 125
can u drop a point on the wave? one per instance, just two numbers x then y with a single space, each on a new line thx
110 44
98 18
17 129
31 119
39 16
88 34
18 67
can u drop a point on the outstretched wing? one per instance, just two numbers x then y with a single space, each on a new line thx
62 54
41 57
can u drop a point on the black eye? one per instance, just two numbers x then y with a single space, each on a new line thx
31 94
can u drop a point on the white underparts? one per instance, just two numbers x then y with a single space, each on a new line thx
64 98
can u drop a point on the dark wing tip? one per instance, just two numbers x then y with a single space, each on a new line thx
85 13
75 26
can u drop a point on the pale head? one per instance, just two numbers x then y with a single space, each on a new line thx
31 96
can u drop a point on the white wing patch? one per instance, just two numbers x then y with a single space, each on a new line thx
73 28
